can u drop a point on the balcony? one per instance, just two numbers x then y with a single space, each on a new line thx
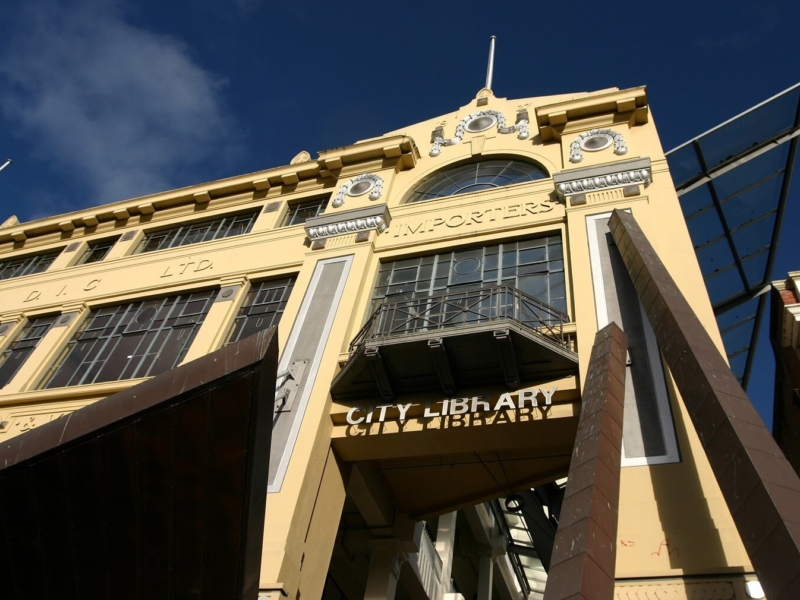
488 336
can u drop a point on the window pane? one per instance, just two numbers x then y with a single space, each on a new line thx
300 213
262 308
27 265
131 340
474 177
22 347
202 231
97 251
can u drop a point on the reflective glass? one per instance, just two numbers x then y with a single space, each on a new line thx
262 308
755 269
139 339
737 314
27 265
739 337
751 172
752 203
723 285
474 177
97 251
705 227
684 165
714 257
301 212
696 200
194 233
738 364
22 346
750 129
755 236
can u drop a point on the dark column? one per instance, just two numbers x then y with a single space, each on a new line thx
584 552
758 483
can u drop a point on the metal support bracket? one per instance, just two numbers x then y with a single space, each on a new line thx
508 359
442 364
286 385
379 372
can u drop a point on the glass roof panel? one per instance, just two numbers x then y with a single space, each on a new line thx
751 204
705 227
714 257
755 236
749 129
738 364
737 314
684 165
738 338
752 194
755 269
723 285
696 200
751 172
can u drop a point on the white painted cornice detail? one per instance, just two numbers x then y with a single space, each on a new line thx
603 177
349 221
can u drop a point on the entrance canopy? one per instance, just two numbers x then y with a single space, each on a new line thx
733 184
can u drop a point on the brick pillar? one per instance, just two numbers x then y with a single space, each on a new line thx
758 483
584 550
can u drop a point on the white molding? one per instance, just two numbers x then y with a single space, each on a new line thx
575 155
521 128
374 192
604 182
672 454
316 360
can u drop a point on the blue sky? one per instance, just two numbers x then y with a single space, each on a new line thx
102 100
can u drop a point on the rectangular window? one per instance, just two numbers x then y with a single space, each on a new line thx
127 341
202 231
301 212
534 266
96 251
22 347
262 308
27 265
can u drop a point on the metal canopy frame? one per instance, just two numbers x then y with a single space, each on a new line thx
703 169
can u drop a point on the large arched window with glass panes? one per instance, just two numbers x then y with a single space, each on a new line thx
476 177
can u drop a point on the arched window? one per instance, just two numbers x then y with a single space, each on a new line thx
475 177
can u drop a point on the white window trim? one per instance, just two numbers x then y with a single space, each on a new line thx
659 380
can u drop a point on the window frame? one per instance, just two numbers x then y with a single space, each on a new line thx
54 254
123 320
323 200
19 335
175 230
411 196
91 246
235 330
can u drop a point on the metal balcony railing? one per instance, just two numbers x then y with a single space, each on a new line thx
464 309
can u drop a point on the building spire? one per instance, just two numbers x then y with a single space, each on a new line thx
490 67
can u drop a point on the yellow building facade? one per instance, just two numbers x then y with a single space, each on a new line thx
438 290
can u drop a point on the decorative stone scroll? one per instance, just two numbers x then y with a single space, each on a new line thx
358 186
346 222
473 123
595 140
603 177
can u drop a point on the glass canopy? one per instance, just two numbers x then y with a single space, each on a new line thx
733 182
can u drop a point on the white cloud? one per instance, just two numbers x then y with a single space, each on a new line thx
123 109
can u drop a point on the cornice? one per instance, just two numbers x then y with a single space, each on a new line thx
349 221
602 177
399 148
554 117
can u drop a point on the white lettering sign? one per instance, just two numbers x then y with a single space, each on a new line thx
452 406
